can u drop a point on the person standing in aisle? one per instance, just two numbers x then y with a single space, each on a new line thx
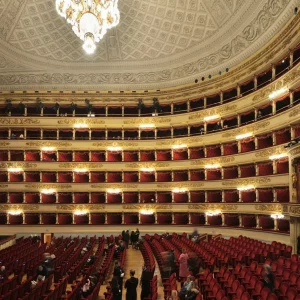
130 286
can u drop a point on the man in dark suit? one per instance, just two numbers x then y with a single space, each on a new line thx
118 272
130 286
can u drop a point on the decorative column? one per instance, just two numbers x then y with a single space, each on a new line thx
273 108
172 108
204 102
122 218
40 219
274 164
257 221
106 134
239 171
188 105
256 195
256 169
221 97
90 219
106 111
189 130
291 55
275 224
105 220
206 219
57 134
291 98
139 215
122 110
239 120
8 155
173 219
190 217
223 198
273 72
255 143
90 197
90 134
241 221
189 196
41 133
294 232
240 196
274 195
23 216
155 218
255 83
205 196
238 91
223 219
74 134
56 219
73 197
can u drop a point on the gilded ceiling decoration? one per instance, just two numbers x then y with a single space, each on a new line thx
157 43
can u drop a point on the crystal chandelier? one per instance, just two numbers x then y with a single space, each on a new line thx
90 19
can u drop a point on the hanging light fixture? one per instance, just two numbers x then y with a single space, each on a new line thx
90 19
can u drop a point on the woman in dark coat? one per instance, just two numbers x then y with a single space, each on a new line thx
116 289
130 286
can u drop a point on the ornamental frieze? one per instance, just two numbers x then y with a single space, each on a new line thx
213 161
246 129
88 121
147 165
17 165
185 141
114 186
28 207
268 207
19 121
3 186
213 111
223 207
48 186
94 207
181 185
295 209
270 151
69 165
4 144
115 144
295 112
158 120
49 144
248 181
147 206
295 151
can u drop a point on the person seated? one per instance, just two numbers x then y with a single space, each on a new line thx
3 273
201 131
86 289
259 114
189 289
42 270
218 126
38 281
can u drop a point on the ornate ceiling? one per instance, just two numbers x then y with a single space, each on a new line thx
158 43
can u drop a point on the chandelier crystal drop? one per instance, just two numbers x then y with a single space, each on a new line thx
90 19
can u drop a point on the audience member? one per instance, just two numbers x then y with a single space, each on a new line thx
145 283
130 286
119 273
116 288
183 264
218 126
268 277
85 291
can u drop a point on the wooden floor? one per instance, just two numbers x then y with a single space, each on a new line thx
134 260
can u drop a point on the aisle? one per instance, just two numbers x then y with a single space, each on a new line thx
135 261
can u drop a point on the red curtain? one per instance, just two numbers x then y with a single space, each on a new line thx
81 156
164 197
3 155
147 177
197 175
49 177
180 154
32 219
265 169
180 176
196 153
213 151
282 136
15 220
3 197
164 218
247 170
283 225
48 198
114 177
214 220
114 219
16 177
147 197
98 197
231 220
197 196
266 222
98 219
164 176
131 197
49 156
147 156
247 145
214 196
81 220
114 156
15 197
65 197
114 198
97 177
249 221
180 197
131 177
81 198
3 219
265 195
131 156
213 174
147 219
181 219
81 177
64 156
32 177
65 219
248 196
231 196
3 176
97 156
283 194
163 155
230 172
230 149
32 156
17 155
32 198
296 130
282 166
48 219
65 177
130 219
197 219
264 141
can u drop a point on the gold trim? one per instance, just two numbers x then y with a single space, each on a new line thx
212 161
19 121
114 186
87 121
91 207
24 207
17 164
49 144
268 207
270 151
72 165
223 207
158 120
186 141
147 165
234 182
147 206
213 111
120 143
246 129
181 185
48 186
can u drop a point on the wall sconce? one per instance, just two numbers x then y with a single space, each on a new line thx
149 170
213 213
80 170
147 126
147 212
48 191
278 156
182 146
114 148
210 118
277 216
245 188
212 166
179 190
80 212
15 170
80 125
243 136
48 149
113 191
278 93
15 212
